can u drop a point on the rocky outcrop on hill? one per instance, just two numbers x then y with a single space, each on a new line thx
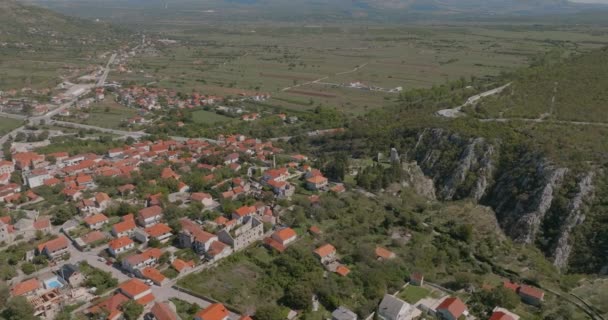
528 193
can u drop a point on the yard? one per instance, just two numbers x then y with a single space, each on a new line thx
413 294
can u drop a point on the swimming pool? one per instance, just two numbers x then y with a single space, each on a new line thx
53 283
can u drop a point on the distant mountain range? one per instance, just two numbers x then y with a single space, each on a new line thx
137 11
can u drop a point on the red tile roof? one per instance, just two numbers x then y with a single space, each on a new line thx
124 226
531 292
179 264
133 287
120 243
285 234
158 230
216 311
163 311
325 250
454 306
95 219
150 212
54 245
25 287
342 270
499 315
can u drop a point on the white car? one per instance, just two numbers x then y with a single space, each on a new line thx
101 259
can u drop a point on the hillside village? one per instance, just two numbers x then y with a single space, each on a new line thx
238 201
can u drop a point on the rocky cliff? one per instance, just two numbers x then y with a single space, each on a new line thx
535 201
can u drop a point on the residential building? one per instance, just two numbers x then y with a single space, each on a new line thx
249 231
216 311
384 254
26 288
136 290
36 177
149 216
192 236
531 295
326 253
154 275
160 232
134 263
342 313
55 248
162 311
316 182
503 314
96 221
120 245
451 309
417 279
71 274
393 308
123 228
180 265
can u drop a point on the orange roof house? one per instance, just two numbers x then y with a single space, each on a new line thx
342 270
96 221
452 308
135 289
154 275
325 253
179 265
384 254
25 287
216 311
162 311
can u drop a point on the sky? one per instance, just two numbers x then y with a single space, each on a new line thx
591 1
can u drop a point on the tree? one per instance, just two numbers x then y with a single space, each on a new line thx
28 268
298 297
132 310
18 308
269 312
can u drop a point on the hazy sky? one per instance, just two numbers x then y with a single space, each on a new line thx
591 1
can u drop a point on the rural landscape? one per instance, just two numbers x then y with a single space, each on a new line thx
272 160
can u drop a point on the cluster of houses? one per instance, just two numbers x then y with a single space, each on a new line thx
150 98
128 239
447 307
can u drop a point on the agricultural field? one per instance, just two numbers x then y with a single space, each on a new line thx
305 66
208 117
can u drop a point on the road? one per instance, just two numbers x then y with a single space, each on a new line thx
134 134
102 80
323 78
457 112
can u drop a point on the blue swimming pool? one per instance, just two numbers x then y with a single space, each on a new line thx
53 283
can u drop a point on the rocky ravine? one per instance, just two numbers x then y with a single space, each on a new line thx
521 191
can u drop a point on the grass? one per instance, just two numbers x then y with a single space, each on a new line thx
7 125
233 282
413 294
109 114
208 117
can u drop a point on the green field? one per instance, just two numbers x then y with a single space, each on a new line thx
109 114
413 294
7 125
208 117
286 61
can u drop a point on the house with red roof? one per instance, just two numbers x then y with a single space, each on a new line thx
136 262
281 238
163 311
180 265
124 228
216 311
6 167
55 248
149 216
26 288
531 295
159 231
326 253
96 221
451 308
384 254
193 236
316 182
136 290
120 245
204 198
154 275
503 314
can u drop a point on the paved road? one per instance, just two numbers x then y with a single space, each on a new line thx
457 112
134 134
102 80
